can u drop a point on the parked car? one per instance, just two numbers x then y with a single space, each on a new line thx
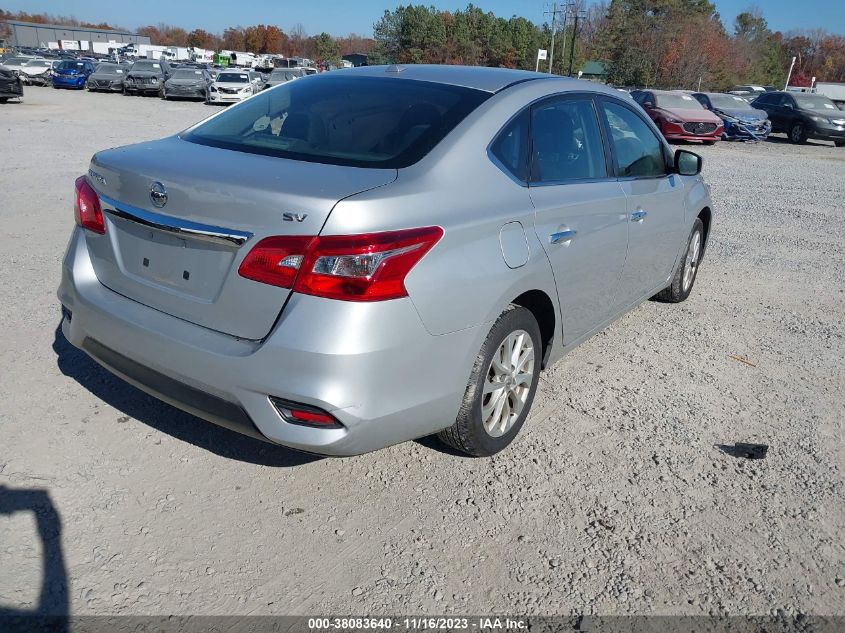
679 116
187 83
16 62
37 72
803 116
310 268
232 86
11 86
146 76
741 120
108 77
282 75
72 74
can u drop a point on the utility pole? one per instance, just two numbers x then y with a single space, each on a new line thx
578 16
554 11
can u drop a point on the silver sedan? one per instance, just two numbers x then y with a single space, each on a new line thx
367 256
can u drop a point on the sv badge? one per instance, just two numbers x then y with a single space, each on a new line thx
291 217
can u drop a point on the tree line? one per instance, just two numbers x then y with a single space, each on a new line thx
654 43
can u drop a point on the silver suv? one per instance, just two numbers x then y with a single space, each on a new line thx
367 256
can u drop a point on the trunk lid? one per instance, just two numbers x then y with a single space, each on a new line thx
182 257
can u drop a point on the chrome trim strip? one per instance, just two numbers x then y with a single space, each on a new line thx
195 230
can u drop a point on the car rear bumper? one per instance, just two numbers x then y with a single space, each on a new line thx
373 366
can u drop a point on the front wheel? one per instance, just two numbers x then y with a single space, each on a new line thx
798 133
708 142
687 270
839 143
501 386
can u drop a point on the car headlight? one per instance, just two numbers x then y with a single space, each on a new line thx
672 120
247 89
154 80
819 119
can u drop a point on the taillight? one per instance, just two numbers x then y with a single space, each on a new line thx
368 267
87 209
275 260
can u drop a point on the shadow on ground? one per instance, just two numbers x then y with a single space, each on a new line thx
53 603
76 364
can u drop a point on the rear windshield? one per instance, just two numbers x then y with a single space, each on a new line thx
341 120
677 101
233 78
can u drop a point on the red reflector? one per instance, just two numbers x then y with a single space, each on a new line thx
87 209
312 416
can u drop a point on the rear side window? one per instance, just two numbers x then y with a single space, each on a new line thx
566 142
342 120
511 147
637 149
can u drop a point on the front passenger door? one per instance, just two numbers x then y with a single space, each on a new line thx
655 201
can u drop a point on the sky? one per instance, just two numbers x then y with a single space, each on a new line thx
341 17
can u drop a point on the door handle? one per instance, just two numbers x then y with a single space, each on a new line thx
562 236
638 215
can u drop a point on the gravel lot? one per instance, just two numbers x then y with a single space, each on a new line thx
614 499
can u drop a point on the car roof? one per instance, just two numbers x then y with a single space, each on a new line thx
477 77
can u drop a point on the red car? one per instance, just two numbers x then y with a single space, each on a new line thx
680 116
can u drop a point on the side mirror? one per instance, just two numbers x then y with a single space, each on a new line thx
687 163
788 105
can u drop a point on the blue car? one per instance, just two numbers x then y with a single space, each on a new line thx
742 121
72 74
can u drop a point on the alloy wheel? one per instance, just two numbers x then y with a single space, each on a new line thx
507 383
691 263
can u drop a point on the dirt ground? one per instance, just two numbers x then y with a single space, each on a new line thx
614 500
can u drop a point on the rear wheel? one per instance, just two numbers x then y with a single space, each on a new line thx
501 386
798 133
687 270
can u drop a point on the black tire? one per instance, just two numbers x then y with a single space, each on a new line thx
708 142
798 133
839 143
468 434
4 99
677 292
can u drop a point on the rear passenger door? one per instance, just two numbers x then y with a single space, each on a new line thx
580 210
655 200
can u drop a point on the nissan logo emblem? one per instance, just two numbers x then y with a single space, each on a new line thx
158 194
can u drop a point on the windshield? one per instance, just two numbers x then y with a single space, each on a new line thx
109 69
38 63
233 78
68 65
17 61
285 75
677 101
356 121
187 74
146 66
729 102
814 102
